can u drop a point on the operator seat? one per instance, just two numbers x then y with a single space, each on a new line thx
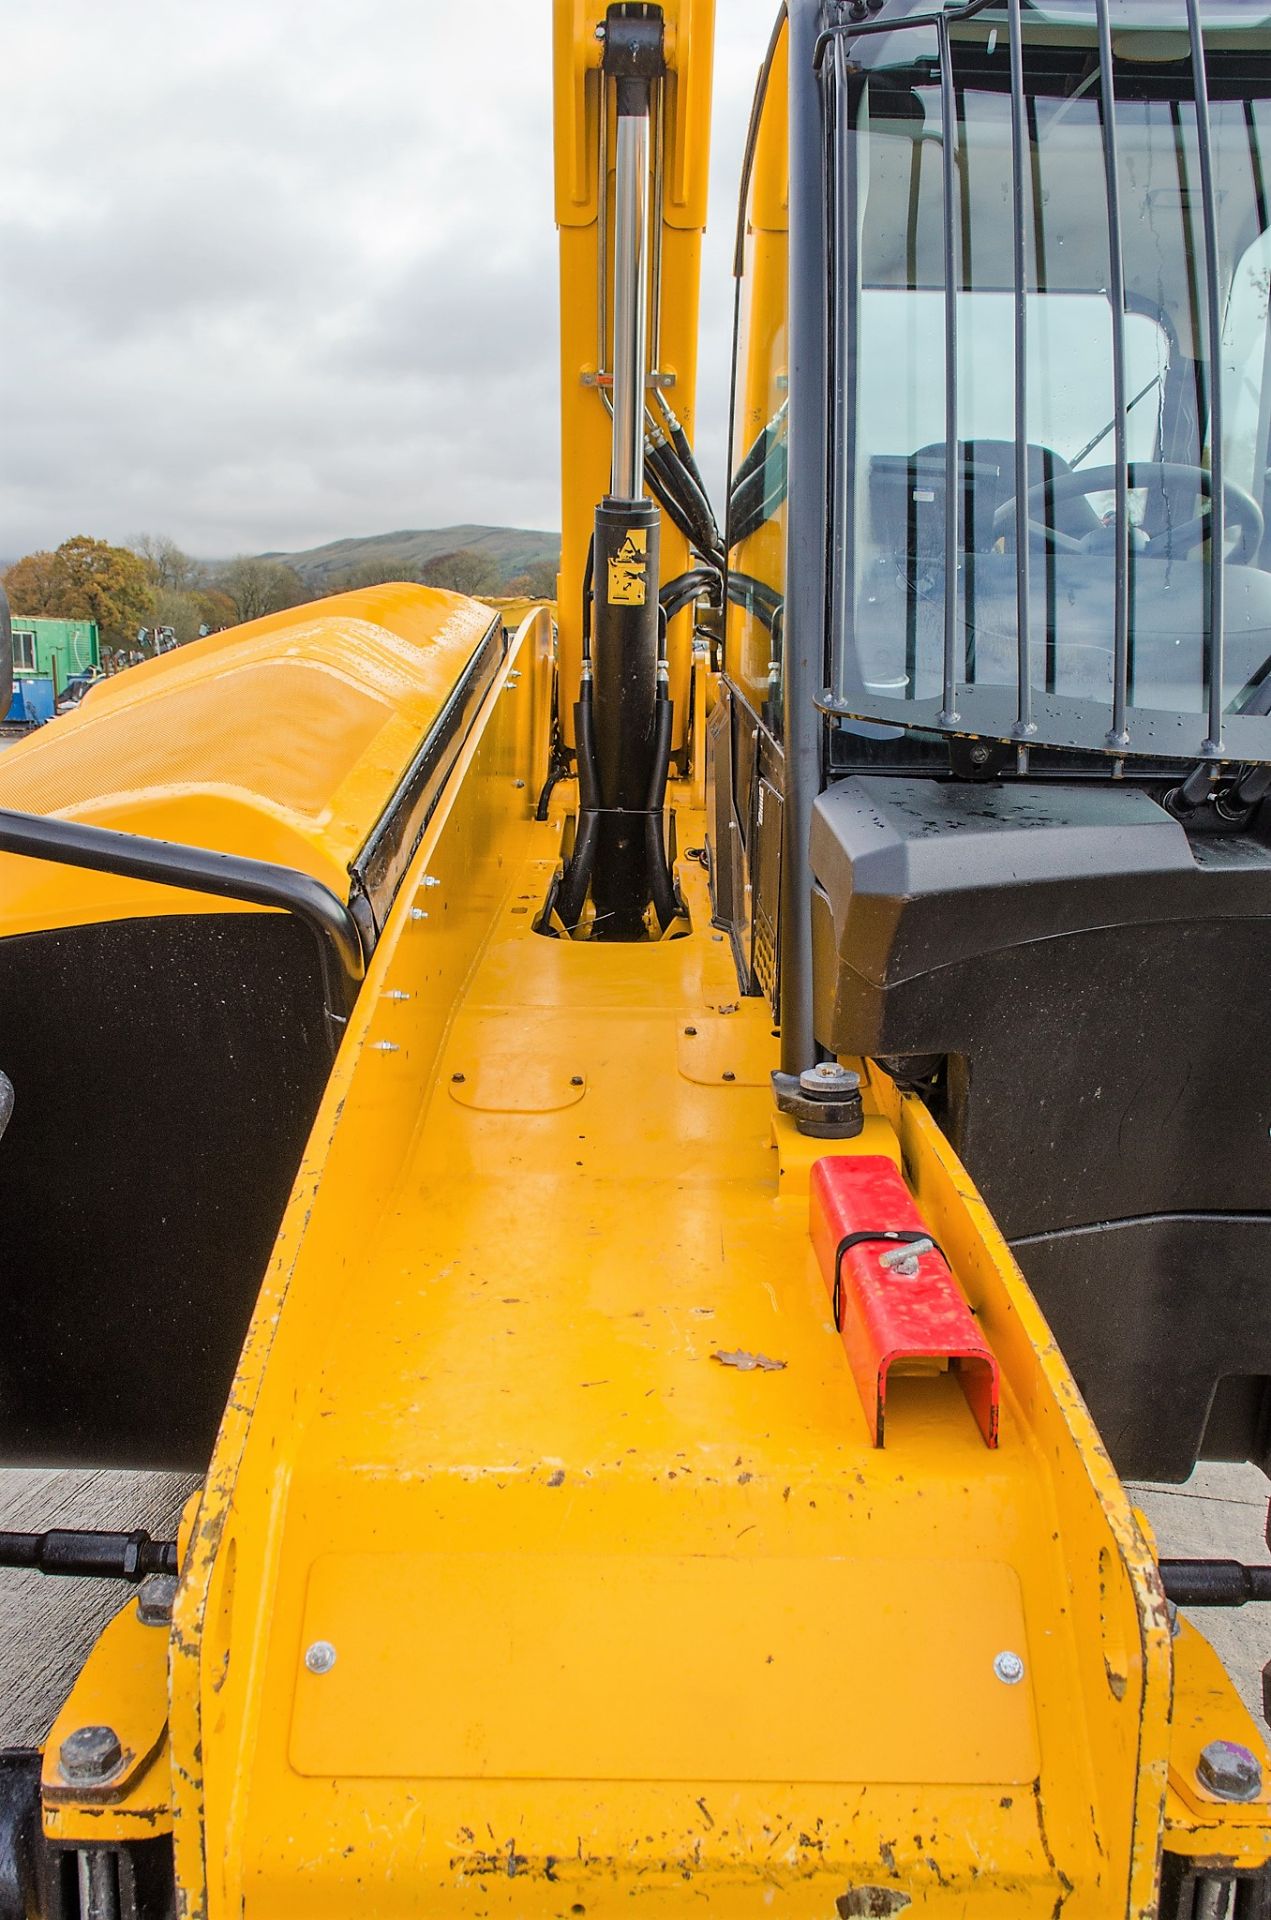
907 495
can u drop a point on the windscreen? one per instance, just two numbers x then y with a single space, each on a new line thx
1051 382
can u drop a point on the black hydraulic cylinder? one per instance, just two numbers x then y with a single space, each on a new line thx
1214 1583
625 662
99 1556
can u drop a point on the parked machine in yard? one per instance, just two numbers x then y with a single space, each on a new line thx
703 1135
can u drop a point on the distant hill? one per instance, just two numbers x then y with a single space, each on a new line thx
511 549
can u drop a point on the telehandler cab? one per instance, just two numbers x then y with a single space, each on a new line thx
706 1129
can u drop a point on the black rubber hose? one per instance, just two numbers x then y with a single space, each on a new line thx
661 880
757 498
571 895
694 494
685 502
687 587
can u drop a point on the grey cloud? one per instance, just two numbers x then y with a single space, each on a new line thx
274 273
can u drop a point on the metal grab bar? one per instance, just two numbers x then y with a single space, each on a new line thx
227 876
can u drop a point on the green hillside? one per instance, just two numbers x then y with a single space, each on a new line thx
511 549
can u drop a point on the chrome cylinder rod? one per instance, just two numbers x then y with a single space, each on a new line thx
630 303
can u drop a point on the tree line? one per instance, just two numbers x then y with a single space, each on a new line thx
149 588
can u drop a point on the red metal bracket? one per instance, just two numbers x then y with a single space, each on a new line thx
895 1299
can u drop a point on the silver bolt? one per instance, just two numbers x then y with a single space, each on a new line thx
90 1753
903 1260
520 784
430 880
1009 1668
395 993
829 1078
418 913
154 1599
320 1657
384 1046
600 29
1229 1771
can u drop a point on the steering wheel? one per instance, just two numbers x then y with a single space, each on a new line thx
1242 513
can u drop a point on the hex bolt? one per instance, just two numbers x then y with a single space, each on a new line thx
1009 1668
576 1080
418 913
90 1754
320 1657
155 1596
384 1046
430 880
828 1080
1229 1771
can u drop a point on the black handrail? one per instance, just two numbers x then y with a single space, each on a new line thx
952 494
1213 326
1118 735
1024 726
227 876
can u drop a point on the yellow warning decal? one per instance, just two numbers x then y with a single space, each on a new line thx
628 569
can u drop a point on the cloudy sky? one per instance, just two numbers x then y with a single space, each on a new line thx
274 272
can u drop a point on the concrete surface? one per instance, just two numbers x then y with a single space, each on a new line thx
1219 1514
47 1626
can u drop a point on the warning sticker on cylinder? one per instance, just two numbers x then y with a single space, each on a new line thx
628 569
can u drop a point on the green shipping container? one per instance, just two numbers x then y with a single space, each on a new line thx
54 649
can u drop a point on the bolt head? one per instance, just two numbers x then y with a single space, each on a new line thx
1009 1668
829 1081
90 1754
1229 1771
320 1657
155 1596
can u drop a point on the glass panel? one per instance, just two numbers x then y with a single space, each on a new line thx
890 329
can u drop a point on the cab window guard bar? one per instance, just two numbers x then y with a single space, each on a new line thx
831 61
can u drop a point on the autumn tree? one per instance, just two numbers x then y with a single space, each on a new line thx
32 583
257 586
216 610
463 571
166 564
85 579
537 582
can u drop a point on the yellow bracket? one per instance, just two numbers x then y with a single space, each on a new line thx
124 1685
